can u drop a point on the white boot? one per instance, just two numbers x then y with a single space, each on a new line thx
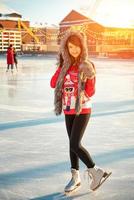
98 176
74 182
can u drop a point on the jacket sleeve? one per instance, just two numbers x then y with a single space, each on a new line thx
54 78
90 87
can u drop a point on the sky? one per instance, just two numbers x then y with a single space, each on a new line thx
115 13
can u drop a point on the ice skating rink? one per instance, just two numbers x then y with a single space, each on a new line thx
34 160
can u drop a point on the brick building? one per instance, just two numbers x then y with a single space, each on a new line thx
78 21
9 32
45 39
101 40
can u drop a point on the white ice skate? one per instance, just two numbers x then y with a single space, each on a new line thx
74 183
98 176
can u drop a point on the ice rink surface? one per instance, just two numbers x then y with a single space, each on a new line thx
34 160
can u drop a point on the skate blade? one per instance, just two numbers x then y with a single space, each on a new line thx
72 191
104 178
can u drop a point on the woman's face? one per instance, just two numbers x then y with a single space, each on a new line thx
74 50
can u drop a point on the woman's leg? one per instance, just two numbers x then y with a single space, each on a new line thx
16 63
7 67
11 67
78 128
69 119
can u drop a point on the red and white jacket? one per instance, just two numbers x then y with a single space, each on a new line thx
70 88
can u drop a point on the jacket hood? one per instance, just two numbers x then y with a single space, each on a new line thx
63 46
84 63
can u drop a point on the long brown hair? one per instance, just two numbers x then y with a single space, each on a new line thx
75 40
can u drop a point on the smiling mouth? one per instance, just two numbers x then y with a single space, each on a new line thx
75 54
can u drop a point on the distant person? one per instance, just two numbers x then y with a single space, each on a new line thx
74 83
15 58
10 58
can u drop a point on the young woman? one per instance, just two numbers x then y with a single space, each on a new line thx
74 83
10 58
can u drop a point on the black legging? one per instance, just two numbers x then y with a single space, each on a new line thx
9 65
76 125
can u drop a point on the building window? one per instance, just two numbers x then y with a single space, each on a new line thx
1 26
